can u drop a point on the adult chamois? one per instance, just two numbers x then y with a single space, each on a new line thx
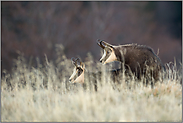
139 59
80 74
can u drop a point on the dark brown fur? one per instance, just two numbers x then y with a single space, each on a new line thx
140 59
136 59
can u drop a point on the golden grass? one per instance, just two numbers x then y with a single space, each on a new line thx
62 101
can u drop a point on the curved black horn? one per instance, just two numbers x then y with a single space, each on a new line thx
78 60
107 44
99 42
73 60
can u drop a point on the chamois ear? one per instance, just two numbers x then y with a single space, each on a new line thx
82 64
78 62
103 44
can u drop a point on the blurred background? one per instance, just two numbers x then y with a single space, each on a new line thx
36 28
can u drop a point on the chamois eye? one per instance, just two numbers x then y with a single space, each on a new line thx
108 51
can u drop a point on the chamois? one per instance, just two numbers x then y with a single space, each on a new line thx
79 74
139 59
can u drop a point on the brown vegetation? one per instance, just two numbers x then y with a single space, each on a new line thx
28 100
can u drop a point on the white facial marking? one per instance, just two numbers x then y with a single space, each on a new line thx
80 79
103 56
73 74
111 58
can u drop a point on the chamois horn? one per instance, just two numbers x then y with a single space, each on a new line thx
99 42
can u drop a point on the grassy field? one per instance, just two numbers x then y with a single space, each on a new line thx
24 96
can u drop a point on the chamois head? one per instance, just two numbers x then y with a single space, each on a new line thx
78 72
109 54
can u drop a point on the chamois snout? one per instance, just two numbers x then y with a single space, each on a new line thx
70 80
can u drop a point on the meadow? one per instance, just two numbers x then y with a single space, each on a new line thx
44 94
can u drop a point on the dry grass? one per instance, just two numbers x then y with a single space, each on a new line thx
25 98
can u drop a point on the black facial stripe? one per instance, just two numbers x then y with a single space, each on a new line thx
108 53
79 71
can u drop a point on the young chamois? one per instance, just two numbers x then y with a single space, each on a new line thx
80 74
139 59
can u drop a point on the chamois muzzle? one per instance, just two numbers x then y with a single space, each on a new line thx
69 80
